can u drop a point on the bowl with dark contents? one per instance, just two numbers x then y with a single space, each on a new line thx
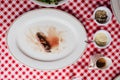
49 3
102 15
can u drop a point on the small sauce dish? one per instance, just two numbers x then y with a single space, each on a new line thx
102 39
102 16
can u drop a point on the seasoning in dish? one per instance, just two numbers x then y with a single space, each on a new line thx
101 63
101 16
101 39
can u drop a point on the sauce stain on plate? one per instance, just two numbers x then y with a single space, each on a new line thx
49 42
53 37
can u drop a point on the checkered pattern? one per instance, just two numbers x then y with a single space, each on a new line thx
11 69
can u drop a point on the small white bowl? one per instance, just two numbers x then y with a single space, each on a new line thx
95 58
49 5
109 39
109 14
108 63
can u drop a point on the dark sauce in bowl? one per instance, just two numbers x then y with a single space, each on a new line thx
101 63
101 16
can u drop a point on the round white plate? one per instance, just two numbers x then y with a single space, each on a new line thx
73 33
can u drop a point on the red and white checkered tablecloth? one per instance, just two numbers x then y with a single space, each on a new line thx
11 69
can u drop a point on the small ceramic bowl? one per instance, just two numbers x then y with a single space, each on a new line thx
109 39
93 62
108 12
49 5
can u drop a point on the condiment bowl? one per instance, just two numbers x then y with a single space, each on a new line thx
109 39
108 12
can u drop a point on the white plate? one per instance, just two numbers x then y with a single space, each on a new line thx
116 8
74 36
